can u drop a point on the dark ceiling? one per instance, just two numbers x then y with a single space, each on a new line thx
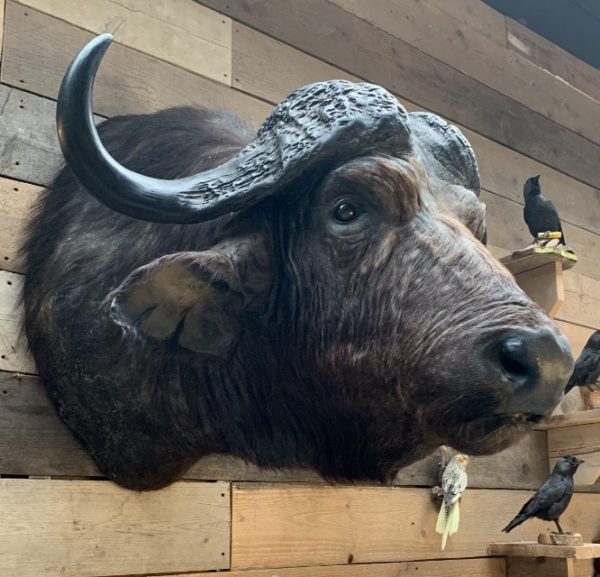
572 24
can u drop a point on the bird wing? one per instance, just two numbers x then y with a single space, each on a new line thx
454 482
586 371
541 215
549 493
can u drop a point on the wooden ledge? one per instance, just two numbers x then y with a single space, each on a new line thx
570 419
534 549
534 257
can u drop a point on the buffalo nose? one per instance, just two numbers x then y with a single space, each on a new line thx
537 363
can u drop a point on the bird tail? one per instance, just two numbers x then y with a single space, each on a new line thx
514 523
447 522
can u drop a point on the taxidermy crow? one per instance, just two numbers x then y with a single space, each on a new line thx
587 368
454 482
539 212
553 497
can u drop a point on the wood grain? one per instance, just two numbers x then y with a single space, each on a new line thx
276 526
347 42
415 20
28 144
14 354
544 285
574 440
16 201
92 528
271 70
498 67
551 57
39 48
534 549
180 32
548 567
33 441
491 567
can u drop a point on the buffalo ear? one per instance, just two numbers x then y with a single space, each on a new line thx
195 299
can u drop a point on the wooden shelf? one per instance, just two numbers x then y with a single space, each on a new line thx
535 257
538 271
571 419
534 549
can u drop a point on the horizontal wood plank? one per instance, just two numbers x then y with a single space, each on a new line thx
551 57
181 32
39 48
548 567
33 441
498 67
345 41
574 440
28 144
282 526
14 353
490 567
476 16
94 528
16 202
271 70
534 549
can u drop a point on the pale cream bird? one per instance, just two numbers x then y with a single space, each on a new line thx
454 482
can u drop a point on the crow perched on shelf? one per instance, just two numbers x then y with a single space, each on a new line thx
587 367
539 212
553 497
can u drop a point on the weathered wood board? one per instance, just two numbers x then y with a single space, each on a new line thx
14 353
16 202
548 567
442 36
551 57
181 32
28 144
94 528
545 286
343 40
283 526
271 70
490 567
39 48
33 441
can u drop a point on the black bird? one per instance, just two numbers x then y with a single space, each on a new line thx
539 212
553 497
587 367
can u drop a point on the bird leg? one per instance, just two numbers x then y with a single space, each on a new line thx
559 527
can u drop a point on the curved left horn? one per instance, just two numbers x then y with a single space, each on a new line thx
319 123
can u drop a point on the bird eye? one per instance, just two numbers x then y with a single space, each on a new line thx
345 212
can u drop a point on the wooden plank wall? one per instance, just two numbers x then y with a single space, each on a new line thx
527 107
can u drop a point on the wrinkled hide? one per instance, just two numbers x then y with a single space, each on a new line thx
277 333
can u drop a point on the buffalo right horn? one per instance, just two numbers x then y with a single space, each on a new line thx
325 122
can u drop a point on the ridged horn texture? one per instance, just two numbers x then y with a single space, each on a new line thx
325 122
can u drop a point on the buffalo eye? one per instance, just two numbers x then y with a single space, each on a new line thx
345 212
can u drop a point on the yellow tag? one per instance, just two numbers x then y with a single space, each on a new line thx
549 234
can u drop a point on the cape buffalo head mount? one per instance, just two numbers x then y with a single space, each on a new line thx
317 295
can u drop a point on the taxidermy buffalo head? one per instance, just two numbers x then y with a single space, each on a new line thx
317 295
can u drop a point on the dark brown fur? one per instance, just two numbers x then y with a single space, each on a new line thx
352 349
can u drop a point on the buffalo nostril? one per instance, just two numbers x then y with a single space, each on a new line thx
516 363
